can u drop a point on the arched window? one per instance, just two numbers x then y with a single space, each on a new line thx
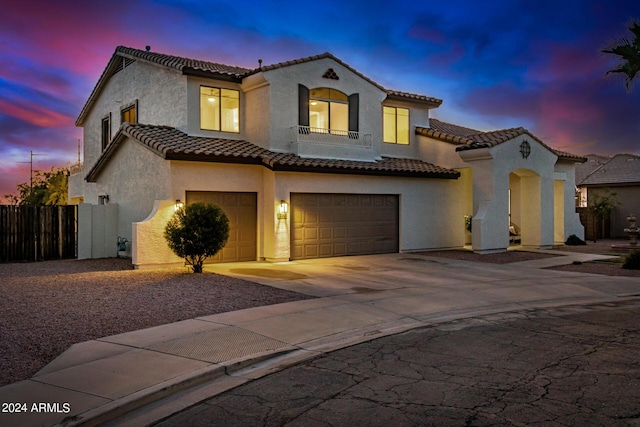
324 109
328 109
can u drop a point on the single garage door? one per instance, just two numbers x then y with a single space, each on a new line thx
329 225
241 209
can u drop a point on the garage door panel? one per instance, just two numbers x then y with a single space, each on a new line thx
310 251
325 225
241 210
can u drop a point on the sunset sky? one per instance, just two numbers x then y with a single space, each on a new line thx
496 64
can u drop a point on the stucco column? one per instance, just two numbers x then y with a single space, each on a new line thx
547 218
490 203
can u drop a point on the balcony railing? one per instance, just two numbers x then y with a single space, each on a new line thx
302 134
75 169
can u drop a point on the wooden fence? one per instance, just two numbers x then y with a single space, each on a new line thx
37 233
593 227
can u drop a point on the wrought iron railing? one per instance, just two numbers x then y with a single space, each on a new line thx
330 136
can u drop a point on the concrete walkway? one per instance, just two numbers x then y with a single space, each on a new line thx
360 298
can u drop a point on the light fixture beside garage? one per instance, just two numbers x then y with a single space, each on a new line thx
179 205
283 210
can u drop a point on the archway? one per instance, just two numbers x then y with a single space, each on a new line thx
525 208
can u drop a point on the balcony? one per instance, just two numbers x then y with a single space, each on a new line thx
310 142
306 134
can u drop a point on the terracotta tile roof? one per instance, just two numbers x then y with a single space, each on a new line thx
184 65
620 169
470 139
451 129
172 144
125 55
390 93
434 102
385 166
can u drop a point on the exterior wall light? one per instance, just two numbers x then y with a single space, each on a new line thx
283 210
179 205
525 149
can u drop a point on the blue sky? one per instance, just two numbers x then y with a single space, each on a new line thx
495 64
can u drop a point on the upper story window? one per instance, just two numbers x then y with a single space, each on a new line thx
328 109
219 109
105 131
324 109
396 125
129 113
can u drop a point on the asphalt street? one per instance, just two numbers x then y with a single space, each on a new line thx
577 365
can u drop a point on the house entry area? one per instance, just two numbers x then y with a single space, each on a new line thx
241 209
331 225
525 207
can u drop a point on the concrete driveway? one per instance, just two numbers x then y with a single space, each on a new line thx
360 299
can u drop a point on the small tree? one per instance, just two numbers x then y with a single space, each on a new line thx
46 188
601 205
197 232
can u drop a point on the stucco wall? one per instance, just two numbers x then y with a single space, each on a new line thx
256 110
150 248
161 101
134 178
193 108
566 172
491 177
418 116
283 100
429 216
438 152
97 226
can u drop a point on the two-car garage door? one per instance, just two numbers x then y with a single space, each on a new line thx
330 225
322 225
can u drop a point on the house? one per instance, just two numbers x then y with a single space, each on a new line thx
309 158
619 174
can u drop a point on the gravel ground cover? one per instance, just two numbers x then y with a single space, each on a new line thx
46 307
602 247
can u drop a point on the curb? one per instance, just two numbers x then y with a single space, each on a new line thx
120 407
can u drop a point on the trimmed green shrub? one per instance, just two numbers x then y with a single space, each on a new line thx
632 261
574 240
197 232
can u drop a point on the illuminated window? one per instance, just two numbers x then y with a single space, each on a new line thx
105 131
328 109
129 114
219 109
396 125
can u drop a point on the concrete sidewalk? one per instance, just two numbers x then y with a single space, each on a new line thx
360 298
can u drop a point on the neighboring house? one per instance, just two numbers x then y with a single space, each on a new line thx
619 174
308 158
